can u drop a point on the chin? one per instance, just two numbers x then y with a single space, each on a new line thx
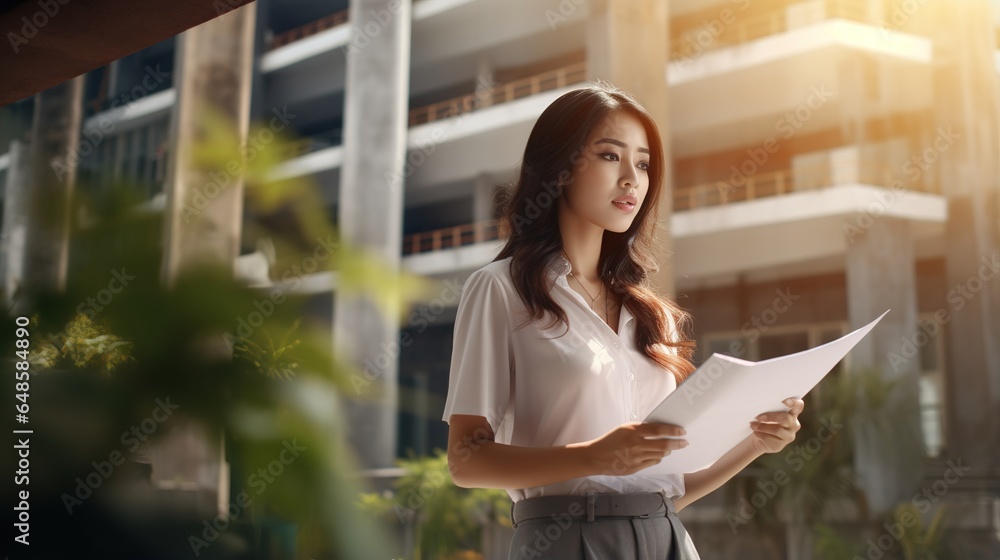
619 227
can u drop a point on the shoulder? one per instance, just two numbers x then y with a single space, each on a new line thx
494 277
497 269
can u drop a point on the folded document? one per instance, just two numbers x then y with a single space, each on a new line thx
716 403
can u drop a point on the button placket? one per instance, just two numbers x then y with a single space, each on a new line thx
631 387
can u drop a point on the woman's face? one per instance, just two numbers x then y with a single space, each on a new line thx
613 165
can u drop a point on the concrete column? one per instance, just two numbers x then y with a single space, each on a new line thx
484 75
966 107
213 69
212 72
370 214
55 136
880 274
482 199
616 32
258 110
15 219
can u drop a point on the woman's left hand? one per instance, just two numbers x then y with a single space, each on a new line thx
772 431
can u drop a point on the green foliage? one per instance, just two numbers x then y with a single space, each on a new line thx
276 360
917 541
920 541
845 408
448 519
171 342
83 344
832 545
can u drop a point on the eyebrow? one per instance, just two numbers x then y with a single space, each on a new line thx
607 140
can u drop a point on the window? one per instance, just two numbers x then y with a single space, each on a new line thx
931 384
770 343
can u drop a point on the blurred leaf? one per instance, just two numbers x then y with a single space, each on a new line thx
448 519
278 383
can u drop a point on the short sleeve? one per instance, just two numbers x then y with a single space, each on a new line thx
480 377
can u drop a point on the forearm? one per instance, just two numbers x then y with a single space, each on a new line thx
489 464
703 482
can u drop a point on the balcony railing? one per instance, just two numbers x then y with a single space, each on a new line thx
448 238
311 28
525 87
785 181
501 93
753 27
761 185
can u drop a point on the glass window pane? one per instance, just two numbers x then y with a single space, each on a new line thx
774 345
737 347
930 414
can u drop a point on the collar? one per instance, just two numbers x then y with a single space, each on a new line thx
559 267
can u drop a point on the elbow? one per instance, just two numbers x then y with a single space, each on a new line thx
458 477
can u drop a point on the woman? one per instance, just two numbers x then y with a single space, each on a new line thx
554 415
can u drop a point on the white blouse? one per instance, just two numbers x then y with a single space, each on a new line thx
536 392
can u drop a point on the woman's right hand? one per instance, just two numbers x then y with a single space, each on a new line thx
627 449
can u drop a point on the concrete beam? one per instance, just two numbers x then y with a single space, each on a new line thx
51 41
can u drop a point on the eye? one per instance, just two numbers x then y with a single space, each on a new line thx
614 155
644 165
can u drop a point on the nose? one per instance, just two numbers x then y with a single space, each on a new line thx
630 179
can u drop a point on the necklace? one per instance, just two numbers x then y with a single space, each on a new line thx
592 298
607 313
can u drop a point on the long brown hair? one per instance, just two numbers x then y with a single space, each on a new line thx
529 221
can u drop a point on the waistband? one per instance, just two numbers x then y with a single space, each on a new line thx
592 505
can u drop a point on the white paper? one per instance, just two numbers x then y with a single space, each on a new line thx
716 403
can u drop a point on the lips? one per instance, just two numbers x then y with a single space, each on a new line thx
626 202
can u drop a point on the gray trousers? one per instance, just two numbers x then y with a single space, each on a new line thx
555 527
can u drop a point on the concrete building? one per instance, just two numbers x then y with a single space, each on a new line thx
830 159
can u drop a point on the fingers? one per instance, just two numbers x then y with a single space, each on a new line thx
654 429
769 428
785 419
796 405
667 445
654 450
769 436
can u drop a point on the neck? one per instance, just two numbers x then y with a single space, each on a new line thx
581 244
